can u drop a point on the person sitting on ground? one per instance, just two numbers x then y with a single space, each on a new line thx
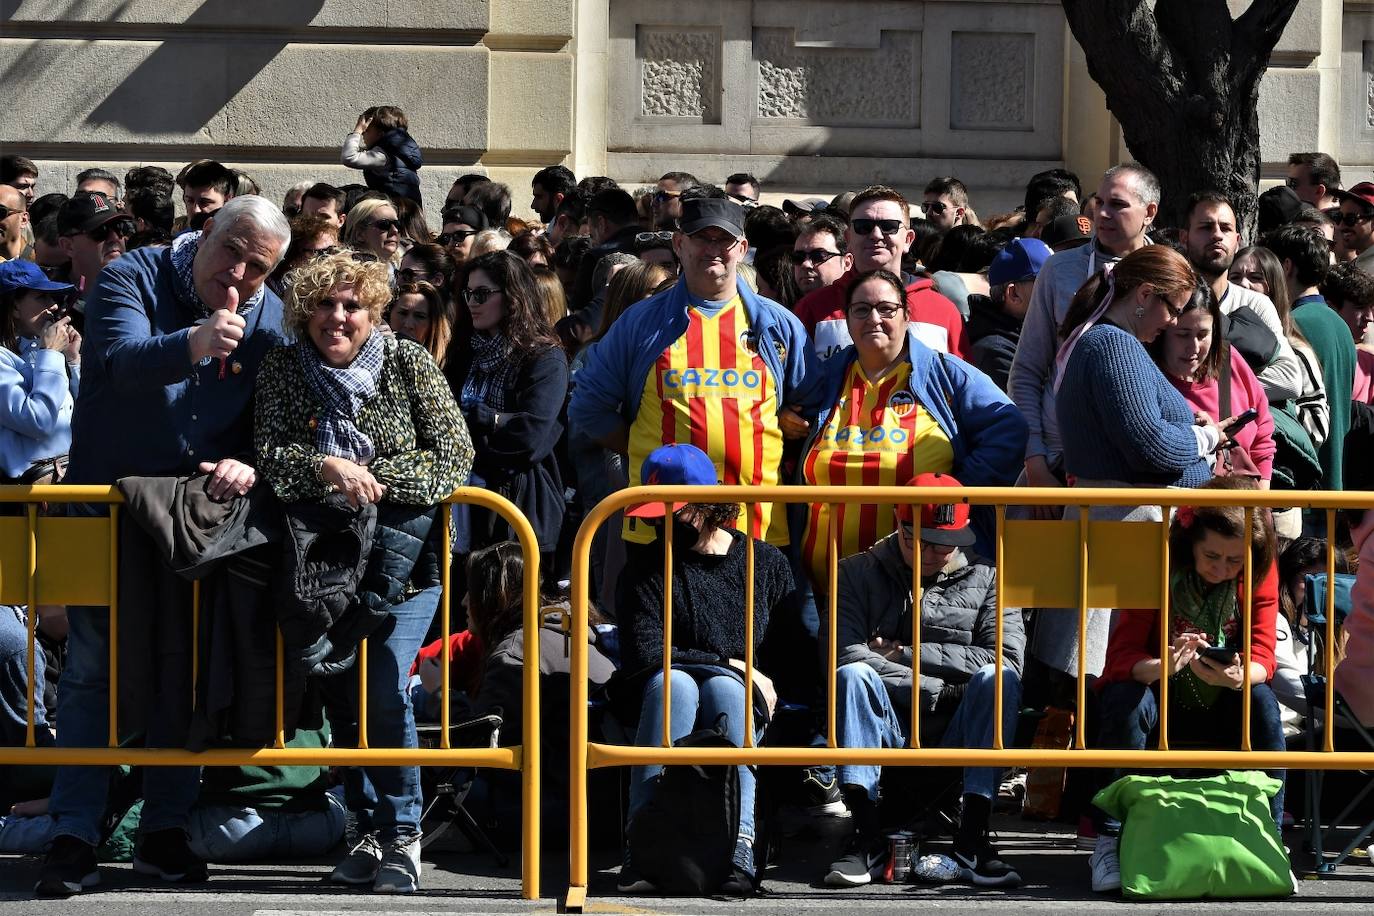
958 662
708 648
1207 591
380 144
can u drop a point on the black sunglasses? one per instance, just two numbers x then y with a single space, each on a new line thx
1351 219
385 225
412 275
478 294
120 227
816 256
6 212
457 235
866 226
936 206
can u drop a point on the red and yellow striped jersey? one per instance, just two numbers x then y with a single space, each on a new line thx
711 389
878 434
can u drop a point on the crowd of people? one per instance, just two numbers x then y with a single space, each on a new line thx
286 395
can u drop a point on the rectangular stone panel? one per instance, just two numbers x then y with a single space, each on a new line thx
1291 98
532 17
679 73
255 93
839 87
534 107
259 14
992 78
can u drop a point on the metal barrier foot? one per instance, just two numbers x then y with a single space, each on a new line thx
574 901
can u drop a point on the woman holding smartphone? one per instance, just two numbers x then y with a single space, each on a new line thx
1215 380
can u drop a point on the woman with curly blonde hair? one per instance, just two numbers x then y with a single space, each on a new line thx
348 410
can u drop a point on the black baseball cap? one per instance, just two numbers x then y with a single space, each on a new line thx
86 210
712 212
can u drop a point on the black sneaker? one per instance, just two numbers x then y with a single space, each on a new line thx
68 868
743 880
863 859
982 866
630 881
821 793
166 854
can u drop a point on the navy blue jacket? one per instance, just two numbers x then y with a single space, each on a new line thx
403 161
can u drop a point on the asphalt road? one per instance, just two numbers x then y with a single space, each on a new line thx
1054 872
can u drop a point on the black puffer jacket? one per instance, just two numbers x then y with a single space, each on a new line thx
400 178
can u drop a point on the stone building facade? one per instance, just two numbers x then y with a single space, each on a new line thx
810 95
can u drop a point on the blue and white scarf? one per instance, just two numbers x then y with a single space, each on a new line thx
184 248
343 392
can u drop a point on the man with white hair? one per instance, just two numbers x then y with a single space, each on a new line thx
173 340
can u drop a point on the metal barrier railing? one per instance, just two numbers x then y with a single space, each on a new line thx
1083 563
50 549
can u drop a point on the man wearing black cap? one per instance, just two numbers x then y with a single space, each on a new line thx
957 660
1357 223
93 232
707 363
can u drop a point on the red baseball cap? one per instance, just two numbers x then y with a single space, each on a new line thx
941 523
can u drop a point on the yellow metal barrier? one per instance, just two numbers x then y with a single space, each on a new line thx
75 561
1081 564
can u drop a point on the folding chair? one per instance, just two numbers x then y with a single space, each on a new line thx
445 789
1314 687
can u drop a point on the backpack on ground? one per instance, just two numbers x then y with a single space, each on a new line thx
683 839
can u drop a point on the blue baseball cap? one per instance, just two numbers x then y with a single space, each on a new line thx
19 274
1021 259
675 465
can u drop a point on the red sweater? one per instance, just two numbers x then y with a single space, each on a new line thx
465 653
935 320
1135 637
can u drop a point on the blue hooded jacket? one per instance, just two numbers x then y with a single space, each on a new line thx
984 428
607 390
400 178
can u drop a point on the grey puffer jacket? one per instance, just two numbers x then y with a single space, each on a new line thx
958 620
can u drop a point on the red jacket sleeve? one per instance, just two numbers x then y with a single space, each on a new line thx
1264 619
1135 638
465 653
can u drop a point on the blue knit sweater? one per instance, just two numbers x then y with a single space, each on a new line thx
1120 419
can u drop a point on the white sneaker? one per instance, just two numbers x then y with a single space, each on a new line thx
361 864
400 868
1106 865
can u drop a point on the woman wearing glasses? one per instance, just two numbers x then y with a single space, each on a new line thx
897 408
372 226
513 399
347 412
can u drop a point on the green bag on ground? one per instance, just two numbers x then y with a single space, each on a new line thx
1185 839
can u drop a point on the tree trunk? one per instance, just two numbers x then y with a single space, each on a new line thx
1182 78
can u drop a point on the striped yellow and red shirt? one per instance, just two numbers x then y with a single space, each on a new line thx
878 434
711 389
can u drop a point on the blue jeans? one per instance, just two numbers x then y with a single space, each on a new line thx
865 717
79 794
14 679
700 694
219 833
386 799
1130 718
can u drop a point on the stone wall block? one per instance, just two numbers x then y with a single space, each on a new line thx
262 14
1289 97
991 78
532 17
532 96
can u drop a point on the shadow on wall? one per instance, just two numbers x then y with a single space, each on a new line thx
173 91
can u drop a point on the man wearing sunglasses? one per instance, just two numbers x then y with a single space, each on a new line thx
93 232
879 233
14 217
946 203
1315 178
818 255
1355 223
667 207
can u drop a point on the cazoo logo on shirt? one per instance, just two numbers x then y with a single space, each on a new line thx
714 383
877 439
